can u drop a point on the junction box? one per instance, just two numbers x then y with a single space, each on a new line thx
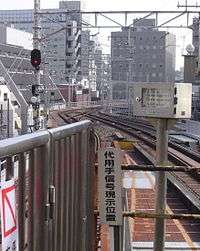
162 100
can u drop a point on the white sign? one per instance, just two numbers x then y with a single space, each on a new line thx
110 186
8 216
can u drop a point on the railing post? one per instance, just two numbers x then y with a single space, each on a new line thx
21 201
84 149
9 168
41 200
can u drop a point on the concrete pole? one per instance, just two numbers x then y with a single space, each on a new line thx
36 45
161 182
36 25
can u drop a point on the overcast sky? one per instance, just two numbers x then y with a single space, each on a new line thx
183 36
96 4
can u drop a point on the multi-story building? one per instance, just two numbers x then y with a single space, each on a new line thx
62 51
92 66
62 54
191 69
103 73
71 6
143 53
85 40
20 19
91 59
10 122
192 57
95 64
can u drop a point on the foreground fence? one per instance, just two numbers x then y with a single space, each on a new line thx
54 173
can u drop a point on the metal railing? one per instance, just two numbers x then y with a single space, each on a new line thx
54 187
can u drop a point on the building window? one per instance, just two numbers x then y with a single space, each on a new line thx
5 96
140 65
153 74
69 31
69 44
154 65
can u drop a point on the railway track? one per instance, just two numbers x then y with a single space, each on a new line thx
178 155
144 127
74 115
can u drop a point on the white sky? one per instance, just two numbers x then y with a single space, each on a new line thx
183 36
96 4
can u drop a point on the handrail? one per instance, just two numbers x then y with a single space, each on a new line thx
23 143
28 141
66 130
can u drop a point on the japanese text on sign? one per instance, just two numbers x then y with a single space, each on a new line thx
155 98
110 185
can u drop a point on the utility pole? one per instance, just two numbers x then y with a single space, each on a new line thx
36 45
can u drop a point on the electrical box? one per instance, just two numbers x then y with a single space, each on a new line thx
162 100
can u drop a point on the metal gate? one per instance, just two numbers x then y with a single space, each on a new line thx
54 172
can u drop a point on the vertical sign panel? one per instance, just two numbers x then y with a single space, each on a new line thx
110 186
8 216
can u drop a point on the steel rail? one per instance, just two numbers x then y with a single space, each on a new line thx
195 156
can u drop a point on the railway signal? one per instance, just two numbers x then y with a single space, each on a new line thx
36 58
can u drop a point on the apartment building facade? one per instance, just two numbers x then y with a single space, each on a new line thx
142 53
